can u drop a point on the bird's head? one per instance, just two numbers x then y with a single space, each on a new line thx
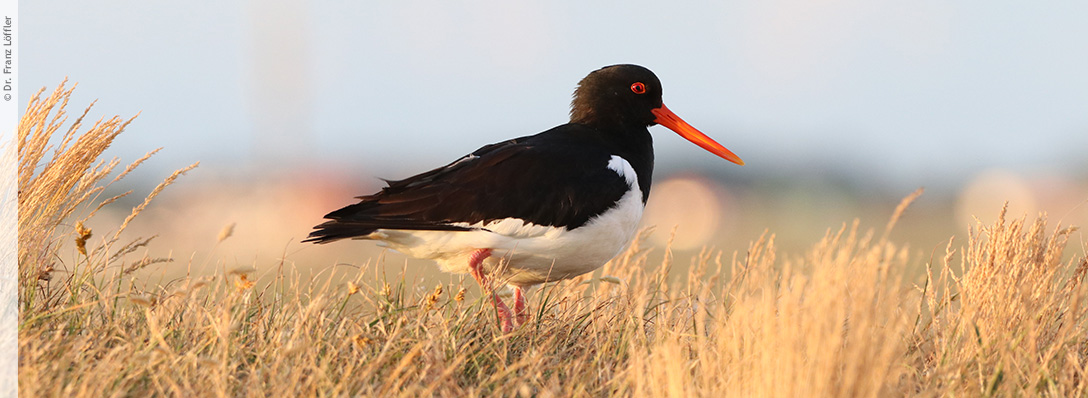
628 96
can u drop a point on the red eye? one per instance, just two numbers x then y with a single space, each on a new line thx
638 88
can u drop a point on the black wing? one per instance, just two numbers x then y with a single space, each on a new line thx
556 178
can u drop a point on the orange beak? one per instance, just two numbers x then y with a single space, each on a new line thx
666 118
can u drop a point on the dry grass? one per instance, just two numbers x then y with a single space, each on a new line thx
1003 316
57 193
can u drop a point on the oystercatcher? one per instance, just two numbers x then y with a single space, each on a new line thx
534 209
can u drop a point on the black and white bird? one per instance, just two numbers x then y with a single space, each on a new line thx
534 209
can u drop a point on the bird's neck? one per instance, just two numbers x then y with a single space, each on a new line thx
636 145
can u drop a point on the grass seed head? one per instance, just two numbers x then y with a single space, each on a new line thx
140 299
82 234
45 274
245 269
387 291
432 299
225 233
361 341
611 279
199 283
243 282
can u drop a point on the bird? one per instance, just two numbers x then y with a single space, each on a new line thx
534 209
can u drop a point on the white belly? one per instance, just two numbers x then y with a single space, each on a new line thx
534 254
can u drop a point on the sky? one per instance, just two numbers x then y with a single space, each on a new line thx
907 93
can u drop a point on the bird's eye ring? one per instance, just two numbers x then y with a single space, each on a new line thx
638 88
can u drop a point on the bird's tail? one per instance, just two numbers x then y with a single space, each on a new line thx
361 220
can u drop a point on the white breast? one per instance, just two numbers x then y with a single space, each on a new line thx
536 253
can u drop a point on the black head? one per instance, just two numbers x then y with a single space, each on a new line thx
626 97
617 95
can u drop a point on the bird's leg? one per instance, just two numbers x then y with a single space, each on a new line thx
475 261
504 314
519 307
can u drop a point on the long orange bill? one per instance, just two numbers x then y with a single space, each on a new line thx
666 118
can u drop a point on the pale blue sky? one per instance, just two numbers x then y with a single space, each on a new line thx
916 93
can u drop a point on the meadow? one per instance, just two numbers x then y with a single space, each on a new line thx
1001 313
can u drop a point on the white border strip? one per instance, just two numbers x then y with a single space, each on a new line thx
9 198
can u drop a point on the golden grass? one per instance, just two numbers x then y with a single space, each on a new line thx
1004 315
55 189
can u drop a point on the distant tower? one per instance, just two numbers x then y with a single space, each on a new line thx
279 84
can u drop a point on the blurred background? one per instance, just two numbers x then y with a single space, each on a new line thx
839 107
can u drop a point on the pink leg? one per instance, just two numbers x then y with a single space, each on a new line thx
474 262
519 307
504 314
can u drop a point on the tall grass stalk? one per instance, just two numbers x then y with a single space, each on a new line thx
61 182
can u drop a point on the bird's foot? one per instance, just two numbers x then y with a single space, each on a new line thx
505 316
520 310
475 260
